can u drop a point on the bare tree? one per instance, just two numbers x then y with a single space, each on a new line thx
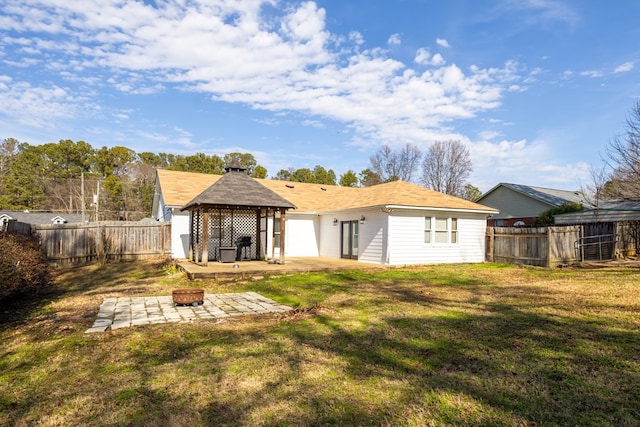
595 190
446 167
392 165
623 156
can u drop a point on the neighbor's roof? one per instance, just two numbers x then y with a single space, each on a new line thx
607 210
549 196
629 204
39 218
179 188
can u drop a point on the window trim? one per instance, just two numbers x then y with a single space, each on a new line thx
451 231
428 229
453 236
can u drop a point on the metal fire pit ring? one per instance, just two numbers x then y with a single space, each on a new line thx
189 296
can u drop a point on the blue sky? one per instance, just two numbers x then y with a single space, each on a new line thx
535 89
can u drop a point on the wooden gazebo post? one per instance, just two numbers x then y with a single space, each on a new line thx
283 213
273 240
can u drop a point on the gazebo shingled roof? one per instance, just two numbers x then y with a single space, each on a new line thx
237 189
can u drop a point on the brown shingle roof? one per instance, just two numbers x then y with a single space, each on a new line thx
236 188
179 188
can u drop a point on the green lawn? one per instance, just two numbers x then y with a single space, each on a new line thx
438 345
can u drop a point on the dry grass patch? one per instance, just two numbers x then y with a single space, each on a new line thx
438 345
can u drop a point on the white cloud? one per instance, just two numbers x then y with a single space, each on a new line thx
230 51
437 59
170 138
623 68
394 39
521 162
424 57
313 123
442 43
537 12
592 73
533 75
488 135
356 37
40 107
268 121
23 63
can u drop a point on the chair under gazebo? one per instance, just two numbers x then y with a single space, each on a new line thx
230 220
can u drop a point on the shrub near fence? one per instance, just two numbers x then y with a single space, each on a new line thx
104 241
23 267
541 246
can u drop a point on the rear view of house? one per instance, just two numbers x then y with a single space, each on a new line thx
395 223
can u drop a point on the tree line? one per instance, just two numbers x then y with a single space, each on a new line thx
107 183
118 183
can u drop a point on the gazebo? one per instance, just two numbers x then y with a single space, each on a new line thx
230 219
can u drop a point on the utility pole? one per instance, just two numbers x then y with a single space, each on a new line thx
82 194
97 199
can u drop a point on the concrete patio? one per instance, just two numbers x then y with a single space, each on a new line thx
258 269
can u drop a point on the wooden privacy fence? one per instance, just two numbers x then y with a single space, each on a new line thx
13 226
628 233
104 240
541 246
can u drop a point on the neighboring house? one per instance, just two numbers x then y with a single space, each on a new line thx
521 204
395 223
618 210
39 218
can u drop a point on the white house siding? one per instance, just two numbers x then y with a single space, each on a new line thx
180 233
371 241
302 235
179 228
406 231
373 244
161 213
330 236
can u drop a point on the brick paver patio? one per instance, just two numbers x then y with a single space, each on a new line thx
123 312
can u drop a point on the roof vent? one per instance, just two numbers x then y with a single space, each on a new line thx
235 166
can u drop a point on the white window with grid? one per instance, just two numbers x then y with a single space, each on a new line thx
440 230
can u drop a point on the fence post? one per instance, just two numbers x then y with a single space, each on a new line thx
549 242
490 244
582 245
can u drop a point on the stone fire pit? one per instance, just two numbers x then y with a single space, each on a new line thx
189 296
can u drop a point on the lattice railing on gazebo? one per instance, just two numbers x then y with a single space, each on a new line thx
227 228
